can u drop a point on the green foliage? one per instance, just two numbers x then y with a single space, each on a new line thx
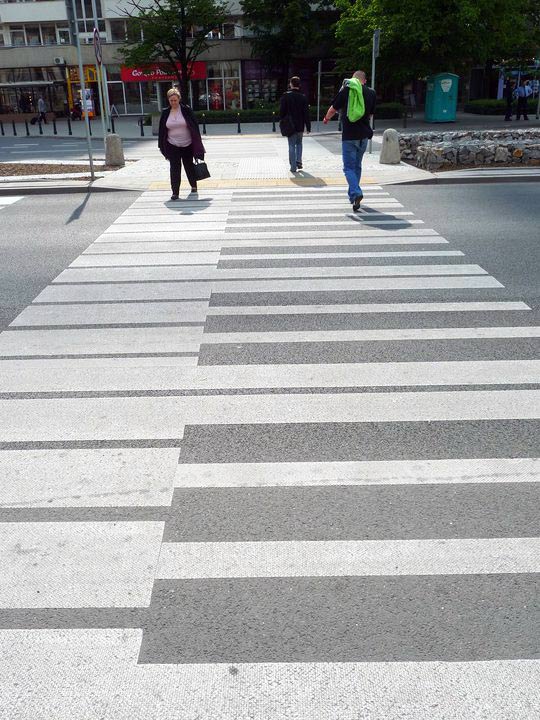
283 29
420 37
384 111
174 31
487 106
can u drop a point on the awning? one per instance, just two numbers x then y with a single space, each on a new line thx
31 83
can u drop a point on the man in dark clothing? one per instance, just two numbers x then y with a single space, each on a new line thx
357 103
295 105
509 97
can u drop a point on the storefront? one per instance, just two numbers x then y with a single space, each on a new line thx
20 89
137 91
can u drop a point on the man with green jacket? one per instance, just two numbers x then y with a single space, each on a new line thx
357 101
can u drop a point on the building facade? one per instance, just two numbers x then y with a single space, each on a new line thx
38 58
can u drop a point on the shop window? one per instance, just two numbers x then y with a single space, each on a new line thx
113 72
213 70
230 69
232 94
133 98
149 96
116 97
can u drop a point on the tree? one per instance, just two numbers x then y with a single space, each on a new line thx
420 37
283 29
173 32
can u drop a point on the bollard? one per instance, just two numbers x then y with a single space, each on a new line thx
204 124
142 126
2 128
14 128
112 125
273 122
239 130
90 125
390 152
55 132
114 153
40 127
27 128
70 131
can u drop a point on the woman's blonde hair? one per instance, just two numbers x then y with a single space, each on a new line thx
173 91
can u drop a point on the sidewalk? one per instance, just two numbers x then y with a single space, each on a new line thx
128 127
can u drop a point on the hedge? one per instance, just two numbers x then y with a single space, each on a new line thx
488 106
384 111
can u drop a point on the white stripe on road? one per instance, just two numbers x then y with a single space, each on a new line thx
373 335
367 308
101 665
164 417
374 472
204 272
21 376
189 560
182 290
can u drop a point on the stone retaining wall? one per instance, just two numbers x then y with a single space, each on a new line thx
436 150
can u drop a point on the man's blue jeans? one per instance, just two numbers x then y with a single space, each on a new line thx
353 152
295 150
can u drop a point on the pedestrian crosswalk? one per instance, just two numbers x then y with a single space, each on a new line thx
264 458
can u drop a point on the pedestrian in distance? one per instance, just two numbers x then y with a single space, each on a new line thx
523 93
357 103
294 117
509 97
42 109
179 141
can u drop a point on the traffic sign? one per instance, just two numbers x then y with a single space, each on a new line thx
97 47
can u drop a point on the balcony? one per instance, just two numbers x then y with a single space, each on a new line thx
32 12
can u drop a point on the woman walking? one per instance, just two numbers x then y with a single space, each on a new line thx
180 141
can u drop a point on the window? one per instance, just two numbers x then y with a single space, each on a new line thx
64 37
118 30
48 34
17 36
33 36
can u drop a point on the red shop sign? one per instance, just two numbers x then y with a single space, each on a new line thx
159 71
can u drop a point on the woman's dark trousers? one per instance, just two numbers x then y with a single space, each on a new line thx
177 156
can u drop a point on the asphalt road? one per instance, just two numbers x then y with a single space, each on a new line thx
42 234
496 225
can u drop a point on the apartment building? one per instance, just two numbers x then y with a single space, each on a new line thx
37 58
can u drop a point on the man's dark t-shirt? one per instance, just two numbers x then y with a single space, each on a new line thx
361 128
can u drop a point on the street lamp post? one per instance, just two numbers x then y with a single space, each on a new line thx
75 31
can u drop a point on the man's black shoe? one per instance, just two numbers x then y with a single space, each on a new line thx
356 203
299 166
174 197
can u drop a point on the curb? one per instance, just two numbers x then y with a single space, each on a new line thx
468 180
59 189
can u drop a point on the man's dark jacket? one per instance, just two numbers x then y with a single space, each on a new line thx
193 125
295 104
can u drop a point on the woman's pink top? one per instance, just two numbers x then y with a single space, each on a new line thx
178 131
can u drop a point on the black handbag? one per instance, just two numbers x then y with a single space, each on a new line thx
286 125
201 170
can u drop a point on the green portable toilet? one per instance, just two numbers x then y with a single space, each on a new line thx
441 97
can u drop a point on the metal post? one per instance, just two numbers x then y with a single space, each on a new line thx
374 56
55 131
141 121
2 128
104 122
90 125
40 126
239 129
14 128
27 128
70 131
273 122
83 91
105 82
112 124
204 123
319 71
